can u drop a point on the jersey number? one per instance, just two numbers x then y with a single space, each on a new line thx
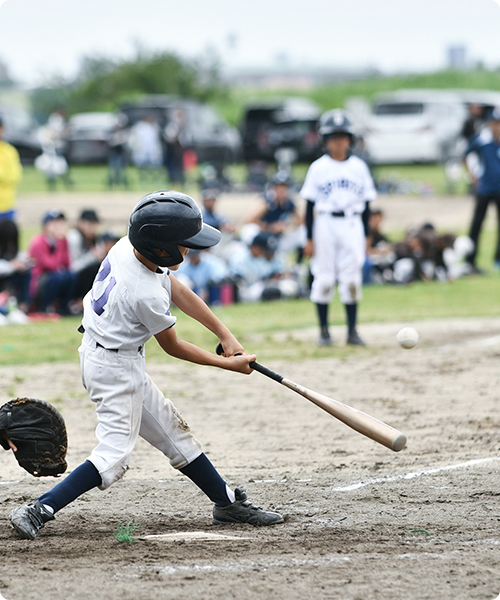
98 304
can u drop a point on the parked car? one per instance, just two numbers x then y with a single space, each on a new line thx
414 126
204 131
87 135
291 124
21 130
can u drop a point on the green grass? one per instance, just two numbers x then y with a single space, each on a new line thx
255 324
125 533
91 178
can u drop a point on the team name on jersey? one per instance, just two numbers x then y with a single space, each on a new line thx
340 184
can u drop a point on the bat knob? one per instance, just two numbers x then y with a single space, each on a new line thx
399 443
219 349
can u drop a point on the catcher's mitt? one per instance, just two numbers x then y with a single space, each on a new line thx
38 431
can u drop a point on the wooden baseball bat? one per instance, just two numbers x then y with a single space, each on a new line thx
359 421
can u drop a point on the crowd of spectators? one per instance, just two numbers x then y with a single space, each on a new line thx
422 254
57 269
261 261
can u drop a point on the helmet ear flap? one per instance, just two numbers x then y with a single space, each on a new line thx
167 219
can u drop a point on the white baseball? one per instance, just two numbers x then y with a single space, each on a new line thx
407 337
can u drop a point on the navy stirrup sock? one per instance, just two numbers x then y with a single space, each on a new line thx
202 473
351 310
81 480
322 310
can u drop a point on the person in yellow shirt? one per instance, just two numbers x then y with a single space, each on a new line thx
10 176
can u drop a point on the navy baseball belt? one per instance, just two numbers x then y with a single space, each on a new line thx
339 213
81 329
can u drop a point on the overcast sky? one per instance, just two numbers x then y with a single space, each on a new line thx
39 38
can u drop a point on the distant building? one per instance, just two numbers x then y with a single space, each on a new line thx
457 58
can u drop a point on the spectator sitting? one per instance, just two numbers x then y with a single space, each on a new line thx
379 251
454 256
14 266
52 282
277 214
201 271
260 273
106 241
210 217
85 254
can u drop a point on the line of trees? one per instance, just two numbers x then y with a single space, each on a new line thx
103 83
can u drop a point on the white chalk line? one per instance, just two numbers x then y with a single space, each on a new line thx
412 475
492 341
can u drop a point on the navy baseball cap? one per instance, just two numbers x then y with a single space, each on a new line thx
51 215
266 241
89 214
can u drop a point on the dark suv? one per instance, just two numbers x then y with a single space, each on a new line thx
205 132
271 126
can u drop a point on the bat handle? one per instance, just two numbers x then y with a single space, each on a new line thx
256 367
265 371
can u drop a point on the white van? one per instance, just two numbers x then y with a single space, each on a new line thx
414 126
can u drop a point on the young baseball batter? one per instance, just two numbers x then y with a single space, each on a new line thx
338 188
129 303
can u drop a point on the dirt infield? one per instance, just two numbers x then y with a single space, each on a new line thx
451 212
361 521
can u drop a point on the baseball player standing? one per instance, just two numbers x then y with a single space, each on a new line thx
128 304
338 188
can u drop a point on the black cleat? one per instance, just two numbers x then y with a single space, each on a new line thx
28 519
353 339
325 340
243 511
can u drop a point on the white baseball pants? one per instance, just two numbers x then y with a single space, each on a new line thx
339 254
129 404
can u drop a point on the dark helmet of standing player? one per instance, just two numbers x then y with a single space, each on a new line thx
335 121
165 220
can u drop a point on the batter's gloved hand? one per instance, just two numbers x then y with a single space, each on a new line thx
37 430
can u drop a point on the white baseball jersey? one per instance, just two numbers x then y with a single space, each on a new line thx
127 305
336 186
339 191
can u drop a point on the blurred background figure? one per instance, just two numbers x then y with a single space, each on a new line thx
278 215
455 255
486 183
86 254
52 282
107 240
118 154
474 122
259 272
174 159
211 216
52 165
14 268
203 272
54 161
10 176
145 145
379 251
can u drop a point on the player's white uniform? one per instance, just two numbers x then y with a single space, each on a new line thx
339 191
126 306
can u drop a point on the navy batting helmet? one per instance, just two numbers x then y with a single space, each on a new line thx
335 121
165 220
